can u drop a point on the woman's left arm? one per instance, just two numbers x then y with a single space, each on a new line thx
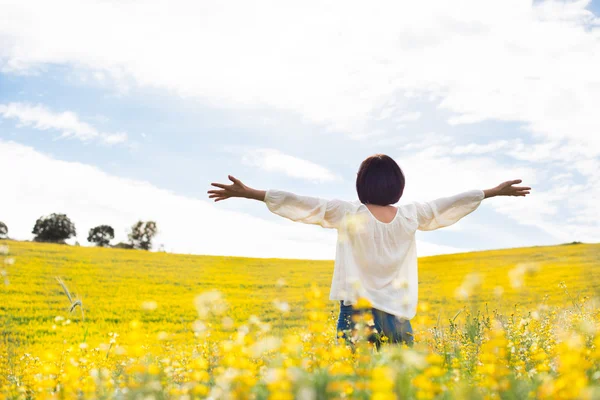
305 209
236 189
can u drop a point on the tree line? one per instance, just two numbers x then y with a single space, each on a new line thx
57 228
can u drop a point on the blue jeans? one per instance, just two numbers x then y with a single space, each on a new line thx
396 330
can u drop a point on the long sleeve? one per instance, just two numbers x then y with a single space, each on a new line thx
447 210
308 210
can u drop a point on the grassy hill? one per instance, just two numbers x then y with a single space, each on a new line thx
118 286
518 323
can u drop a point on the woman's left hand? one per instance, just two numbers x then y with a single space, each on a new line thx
236 189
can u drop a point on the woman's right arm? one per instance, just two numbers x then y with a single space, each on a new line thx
448 210
507 189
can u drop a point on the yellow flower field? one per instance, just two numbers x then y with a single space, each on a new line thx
506 324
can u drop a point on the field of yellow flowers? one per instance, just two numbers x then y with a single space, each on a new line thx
105 323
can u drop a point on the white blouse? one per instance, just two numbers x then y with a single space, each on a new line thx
374 259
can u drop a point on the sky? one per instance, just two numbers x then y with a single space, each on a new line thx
115 111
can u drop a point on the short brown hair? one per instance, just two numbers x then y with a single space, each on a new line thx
379 181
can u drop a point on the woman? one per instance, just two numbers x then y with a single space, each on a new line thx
376 255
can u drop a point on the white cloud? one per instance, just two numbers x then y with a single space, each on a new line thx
556 205
39 185
504 60
474 148
433 173
422 141
352 68
412 116
67 122
273 160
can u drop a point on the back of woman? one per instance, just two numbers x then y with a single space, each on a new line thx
378 249
376 257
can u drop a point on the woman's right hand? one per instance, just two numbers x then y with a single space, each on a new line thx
508 189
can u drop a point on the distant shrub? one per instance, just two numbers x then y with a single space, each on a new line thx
101 235
3 230
142 233
123 245
55 228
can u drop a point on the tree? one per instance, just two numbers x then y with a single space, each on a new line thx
123 245
3 230
142 234
54 228
101 235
